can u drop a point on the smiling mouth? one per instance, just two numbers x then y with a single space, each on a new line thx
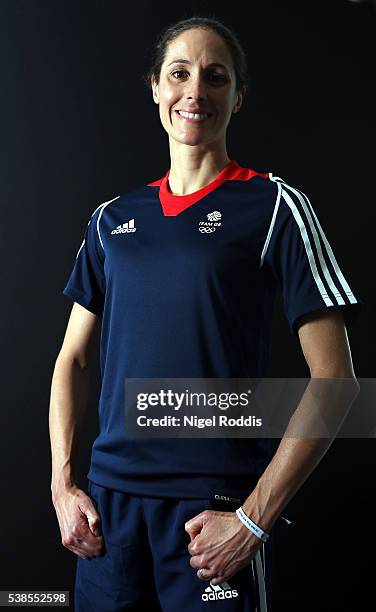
193 117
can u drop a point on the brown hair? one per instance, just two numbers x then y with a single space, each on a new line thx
207 23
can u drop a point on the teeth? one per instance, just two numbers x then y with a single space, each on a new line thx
192 115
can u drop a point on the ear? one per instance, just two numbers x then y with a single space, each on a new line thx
238 102
155 90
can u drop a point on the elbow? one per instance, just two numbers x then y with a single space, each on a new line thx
340 374
72 360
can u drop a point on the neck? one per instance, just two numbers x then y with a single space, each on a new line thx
189 173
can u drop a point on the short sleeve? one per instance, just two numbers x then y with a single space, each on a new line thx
87 284
303 261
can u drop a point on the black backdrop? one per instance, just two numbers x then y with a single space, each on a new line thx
78 128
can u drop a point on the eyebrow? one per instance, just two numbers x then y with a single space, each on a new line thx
184 61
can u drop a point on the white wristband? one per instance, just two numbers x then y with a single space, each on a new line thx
251 525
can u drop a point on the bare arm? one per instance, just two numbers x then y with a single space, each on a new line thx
69 391
77 516
220 544
326 349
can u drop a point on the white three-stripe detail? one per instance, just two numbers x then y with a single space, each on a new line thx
332 258
324 267
307 244
308 248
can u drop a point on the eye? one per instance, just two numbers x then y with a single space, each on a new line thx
217 77
214 77
178 72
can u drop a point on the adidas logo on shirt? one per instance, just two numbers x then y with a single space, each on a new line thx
219 591
125 228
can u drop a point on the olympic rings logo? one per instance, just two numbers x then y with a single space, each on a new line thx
207 230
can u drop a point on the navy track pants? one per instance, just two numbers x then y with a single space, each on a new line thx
145 563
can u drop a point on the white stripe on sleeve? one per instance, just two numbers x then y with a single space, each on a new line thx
308 247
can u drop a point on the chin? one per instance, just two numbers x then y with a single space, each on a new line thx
190 141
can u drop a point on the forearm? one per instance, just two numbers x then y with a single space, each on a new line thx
69 392
293 462
296 457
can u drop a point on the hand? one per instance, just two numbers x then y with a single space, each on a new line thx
79 522
220 545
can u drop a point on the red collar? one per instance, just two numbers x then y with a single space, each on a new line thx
172 204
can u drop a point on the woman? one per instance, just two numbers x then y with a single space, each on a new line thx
181 274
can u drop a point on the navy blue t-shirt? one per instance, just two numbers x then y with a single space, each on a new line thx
185 287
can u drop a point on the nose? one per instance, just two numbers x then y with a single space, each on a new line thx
196 88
